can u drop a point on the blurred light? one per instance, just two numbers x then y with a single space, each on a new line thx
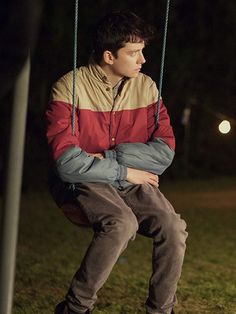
224 127
186 116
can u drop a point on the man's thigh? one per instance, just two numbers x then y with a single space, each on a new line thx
101 200
149 206
145 198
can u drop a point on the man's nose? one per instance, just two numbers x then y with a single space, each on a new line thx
141 59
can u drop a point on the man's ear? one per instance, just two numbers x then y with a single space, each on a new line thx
108 57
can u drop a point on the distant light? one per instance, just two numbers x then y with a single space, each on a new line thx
224 127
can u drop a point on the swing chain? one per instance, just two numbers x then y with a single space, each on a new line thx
74 67
162 62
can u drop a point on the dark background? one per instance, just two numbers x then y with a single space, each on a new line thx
199 73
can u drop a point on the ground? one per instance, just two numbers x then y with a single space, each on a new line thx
50 249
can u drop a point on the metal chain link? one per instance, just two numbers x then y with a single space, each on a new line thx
74 68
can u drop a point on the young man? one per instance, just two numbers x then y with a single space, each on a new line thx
113 161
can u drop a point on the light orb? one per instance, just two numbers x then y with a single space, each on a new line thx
224 127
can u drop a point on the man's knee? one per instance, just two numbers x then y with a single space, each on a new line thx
122 227
174 229
170 227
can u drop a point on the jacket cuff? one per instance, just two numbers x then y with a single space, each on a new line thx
122 175
110 153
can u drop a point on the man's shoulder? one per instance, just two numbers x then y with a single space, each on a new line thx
143 80
68 77
141 91
62 89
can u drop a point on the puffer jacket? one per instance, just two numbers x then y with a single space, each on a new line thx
123 128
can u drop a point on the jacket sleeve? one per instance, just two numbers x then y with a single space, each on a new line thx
157 153
154 156
73 164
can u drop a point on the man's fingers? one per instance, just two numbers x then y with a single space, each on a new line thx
98 155
154 177
153 180
142 177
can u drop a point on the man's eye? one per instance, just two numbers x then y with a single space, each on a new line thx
133 53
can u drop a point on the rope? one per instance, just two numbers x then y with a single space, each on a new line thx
74 68
75 65
162 62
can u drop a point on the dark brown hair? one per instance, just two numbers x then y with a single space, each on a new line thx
114 30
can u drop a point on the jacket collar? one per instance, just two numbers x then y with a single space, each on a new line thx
97 72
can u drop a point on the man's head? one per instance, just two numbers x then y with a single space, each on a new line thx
118 35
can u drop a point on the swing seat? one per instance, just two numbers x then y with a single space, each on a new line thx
75 214
66 201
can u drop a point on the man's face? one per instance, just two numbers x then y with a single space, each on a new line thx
129 60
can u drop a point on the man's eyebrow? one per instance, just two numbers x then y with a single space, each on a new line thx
135 50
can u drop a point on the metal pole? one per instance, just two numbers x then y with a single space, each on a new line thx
11 201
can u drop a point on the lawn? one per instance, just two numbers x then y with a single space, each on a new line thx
50 249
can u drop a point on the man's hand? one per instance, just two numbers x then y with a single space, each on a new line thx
98 155
141 177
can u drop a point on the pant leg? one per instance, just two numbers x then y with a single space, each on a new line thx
114 225
158 220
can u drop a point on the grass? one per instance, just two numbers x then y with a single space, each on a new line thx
51 248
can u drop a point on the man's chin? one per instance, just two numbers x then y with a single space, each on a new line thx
133 75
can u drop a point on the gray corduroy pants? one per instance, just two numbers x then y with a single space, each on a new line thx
116 216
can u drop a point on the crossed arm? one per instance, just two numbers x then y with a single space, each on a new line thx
137 162
136 176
